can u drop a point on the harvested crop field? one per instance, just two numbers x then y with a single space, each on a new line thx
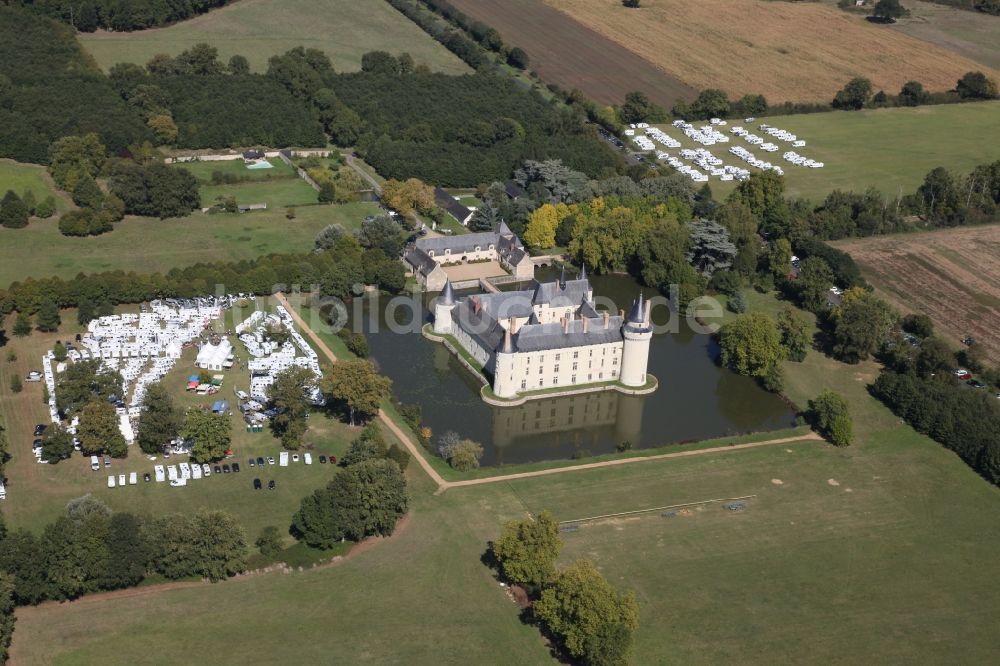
974 35
785 51
951 275
572 55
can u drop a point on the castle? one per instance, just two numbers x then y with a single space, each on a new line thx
550 336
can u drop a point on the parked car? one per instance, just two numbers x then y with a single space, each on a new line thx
256 484
37 444
975 383
217 469
107 461
225 469
260 462
322 460
270 460
33 376
250 461
39 429
333 460
236 467
270 484
962 373
206 470
145 477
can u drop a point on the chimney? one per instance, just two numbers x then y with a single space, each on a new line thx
586 323
607 318
649 307
513 325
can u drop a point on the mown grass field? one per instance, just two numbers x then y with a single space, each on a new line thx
952 275
22 177
258 29
203 170
275 192
802 52
889 149
151 245
881 552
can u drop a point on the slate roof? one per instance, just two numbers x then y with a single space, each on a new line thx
420 261
550 336
461 243
551 293
454 208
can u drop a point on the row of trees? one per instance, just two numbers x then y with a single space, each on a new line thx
89 548
590 620
859 93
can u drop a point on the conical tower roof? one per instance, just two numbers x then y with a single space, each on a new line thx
562 278
447 294
638 313
583 272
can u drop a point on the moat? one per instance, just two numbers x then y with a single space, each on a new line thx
696 398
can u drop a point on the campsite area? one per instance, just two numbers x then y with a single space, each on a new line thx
888 149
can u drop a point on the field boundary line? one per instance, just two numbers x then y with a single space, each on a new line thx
655 508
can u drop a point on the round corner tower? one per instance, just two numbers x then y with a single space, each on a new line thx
637 331
442 309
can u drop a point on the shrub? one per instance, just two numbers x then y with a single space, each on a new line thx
830 415
466 455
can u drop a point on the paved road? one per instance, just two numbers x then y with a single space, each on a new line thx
445 485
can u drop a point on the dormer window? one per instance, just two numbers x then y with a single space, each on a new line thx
447 251
430 253
479 248
491 246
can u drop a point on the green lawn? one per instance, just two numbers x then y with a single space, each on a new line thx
148 245
23 177
275 192
203 170
890 149
880 552
343 29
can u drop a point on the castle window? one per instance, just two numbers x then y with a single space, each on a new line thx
524 384
541 382
590 377
557 356
614 361
573 380
600 375
540 369
576 354
556 370
591 353
574 367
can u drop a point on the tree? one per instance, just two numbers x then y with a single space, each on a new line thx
399 455
290 394
763 193
750 344
7 602
57 444
362 500
813 283
861 323
59 352
636 108
887 11
86 193
830 415
408 196
779 258
527 550
912 93
269 541
99 431
711 249
794 334
13 212
238 65
200 60
22 325
369 445
976 85
327 192
919 325
854 95
127 552
383 233
160 420
48 318
155 190
710 103
357 386
517 57
46 208
211 544
163 127
211 434
379 62
466 455
542 224
328 237
933 356
578 605
83 382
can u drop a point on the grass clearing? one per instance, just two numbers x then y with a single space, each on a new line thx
801 52
952 275
275 192
203 170
889 149
22 177
150 245
343 29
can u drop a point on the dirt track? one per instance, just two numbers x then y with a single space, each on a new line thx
445 485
